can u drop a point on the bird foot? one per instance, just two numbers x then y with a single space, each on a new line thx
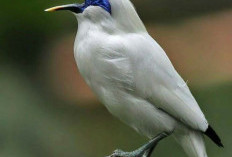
144 151
120 153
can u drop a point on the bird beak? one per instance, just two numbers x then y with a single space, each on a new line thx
76 8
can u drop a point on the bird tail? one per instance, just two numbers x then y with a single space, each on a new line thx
213 136
192 142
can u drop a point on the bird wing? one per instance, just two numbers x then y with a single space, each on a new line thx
156 80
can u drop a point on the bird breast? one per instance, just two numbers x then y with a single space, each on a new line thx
101 65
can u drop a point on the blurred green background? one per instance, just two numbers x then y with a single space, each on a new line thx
47 110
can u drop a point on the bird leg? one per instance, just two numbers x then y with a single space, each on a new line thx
144 151
149 151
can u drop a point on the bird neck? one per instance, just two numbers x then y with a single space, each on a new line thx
104 25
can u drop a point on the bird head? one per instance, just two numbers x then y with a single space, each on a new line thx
122 12
80 8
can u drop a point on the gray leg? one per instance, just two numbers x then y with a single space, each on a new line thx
144 150
149 152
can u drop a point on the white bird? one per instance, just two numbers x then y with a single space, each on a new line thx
133 77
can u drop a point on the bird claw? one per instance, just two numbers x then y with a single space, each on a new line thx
142 151
118 153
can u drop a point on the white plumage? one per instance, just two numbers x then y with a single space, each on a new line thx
133 77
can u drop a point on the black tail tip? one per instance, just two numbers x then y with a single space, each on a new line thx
213 136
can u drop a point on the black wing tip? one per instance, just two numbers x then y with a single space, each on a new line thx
214 137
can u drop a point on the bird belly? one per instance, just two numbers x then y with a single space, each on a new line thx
137 113
110 77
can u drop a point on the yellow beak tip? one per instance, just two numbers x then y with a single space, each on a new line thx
48 10
51 9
